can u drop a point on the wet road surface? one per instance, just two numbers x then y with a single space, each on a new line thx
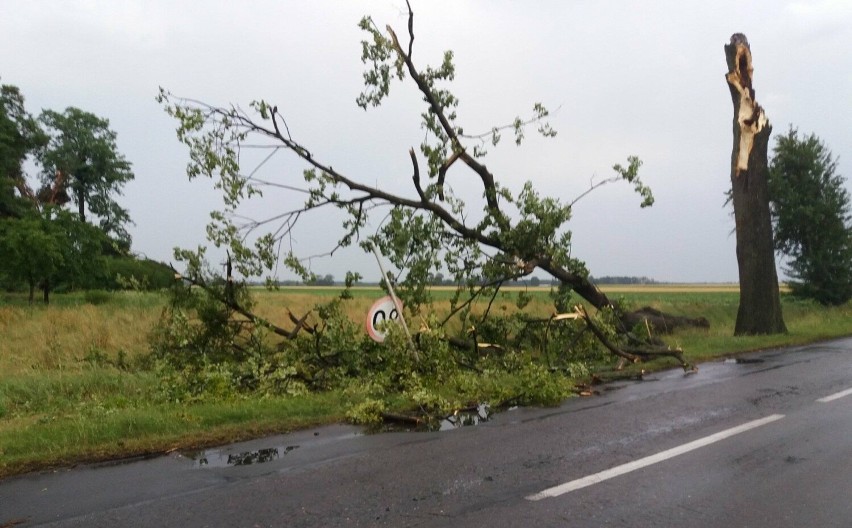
762 443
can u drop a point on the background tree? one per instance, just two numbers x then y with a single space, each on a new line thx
31 251
82 152
760 302
51 248
325 280
41 244
20 136
811 218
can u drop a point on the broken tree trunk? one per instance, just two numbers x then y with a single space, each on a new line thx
760 304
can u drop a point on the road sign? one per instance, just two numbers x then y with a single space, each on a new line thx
382 311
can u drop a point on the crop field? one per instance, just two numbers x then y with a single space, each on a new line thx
76 382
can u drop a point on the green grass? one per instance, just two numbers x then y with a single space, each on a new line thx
74 386
95 430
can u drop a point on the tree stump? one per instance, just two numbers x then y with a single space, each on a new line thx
760 303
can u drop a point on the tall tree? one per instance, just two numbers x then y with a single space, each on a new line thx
812 218
82 152
20 136
760 303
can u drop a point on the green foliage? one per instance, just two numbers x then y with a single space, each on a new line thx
51 249
82 151
206 351
538 385
131 273
812 219
20 136
630 174
379 53
44 245
369 412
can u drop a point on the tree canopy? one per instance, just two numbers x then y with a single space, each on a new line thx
51 247
82 152
20 136
812 218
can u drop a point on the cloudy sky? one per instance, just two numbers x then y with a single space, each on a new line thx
627 77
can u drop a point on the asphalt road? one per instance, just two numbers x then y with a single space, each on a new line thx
759 444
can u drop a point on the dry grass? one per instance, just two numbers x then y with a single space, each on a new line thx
59 337
275 306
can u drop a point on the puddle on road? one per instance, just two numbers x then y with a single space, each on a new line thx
467 418
221 458
461 418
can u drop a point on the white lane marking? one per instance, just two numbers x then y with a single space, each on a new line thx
835 396
649 460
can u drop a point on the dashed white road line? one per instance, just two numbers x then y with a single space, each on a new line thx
649 460
835 396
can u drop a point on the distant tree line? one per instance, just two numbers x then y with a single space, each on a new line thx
616 279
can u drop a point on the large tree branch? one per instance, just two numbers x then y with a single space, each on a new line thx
246 125
634 354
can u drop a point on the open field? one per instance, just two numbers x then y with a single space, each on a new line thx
76 384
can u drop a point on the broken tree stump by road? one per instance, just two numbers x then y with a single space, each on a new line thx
760 303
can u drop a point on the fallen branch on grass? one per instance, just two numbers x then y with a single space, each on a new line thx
633 354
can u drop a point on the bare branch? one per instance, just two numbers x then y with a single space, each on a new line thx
592 186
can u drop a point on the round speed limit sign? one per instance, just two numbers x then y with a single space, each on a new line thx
382 311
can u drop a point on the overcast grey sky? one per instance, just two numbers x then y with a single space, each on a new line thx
641 77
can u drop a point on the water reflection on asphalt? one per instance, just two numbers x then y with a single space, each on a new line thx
221 458
481 414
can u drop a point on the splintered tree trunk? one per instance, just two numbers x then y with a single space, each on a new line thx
760 303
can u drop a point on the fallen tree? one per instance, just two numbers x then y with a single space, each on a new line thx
483 246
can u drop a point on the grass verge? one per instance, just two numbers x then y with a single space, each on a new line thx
74 386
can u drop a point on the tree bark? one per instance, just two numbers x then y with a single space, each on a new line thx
760 304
